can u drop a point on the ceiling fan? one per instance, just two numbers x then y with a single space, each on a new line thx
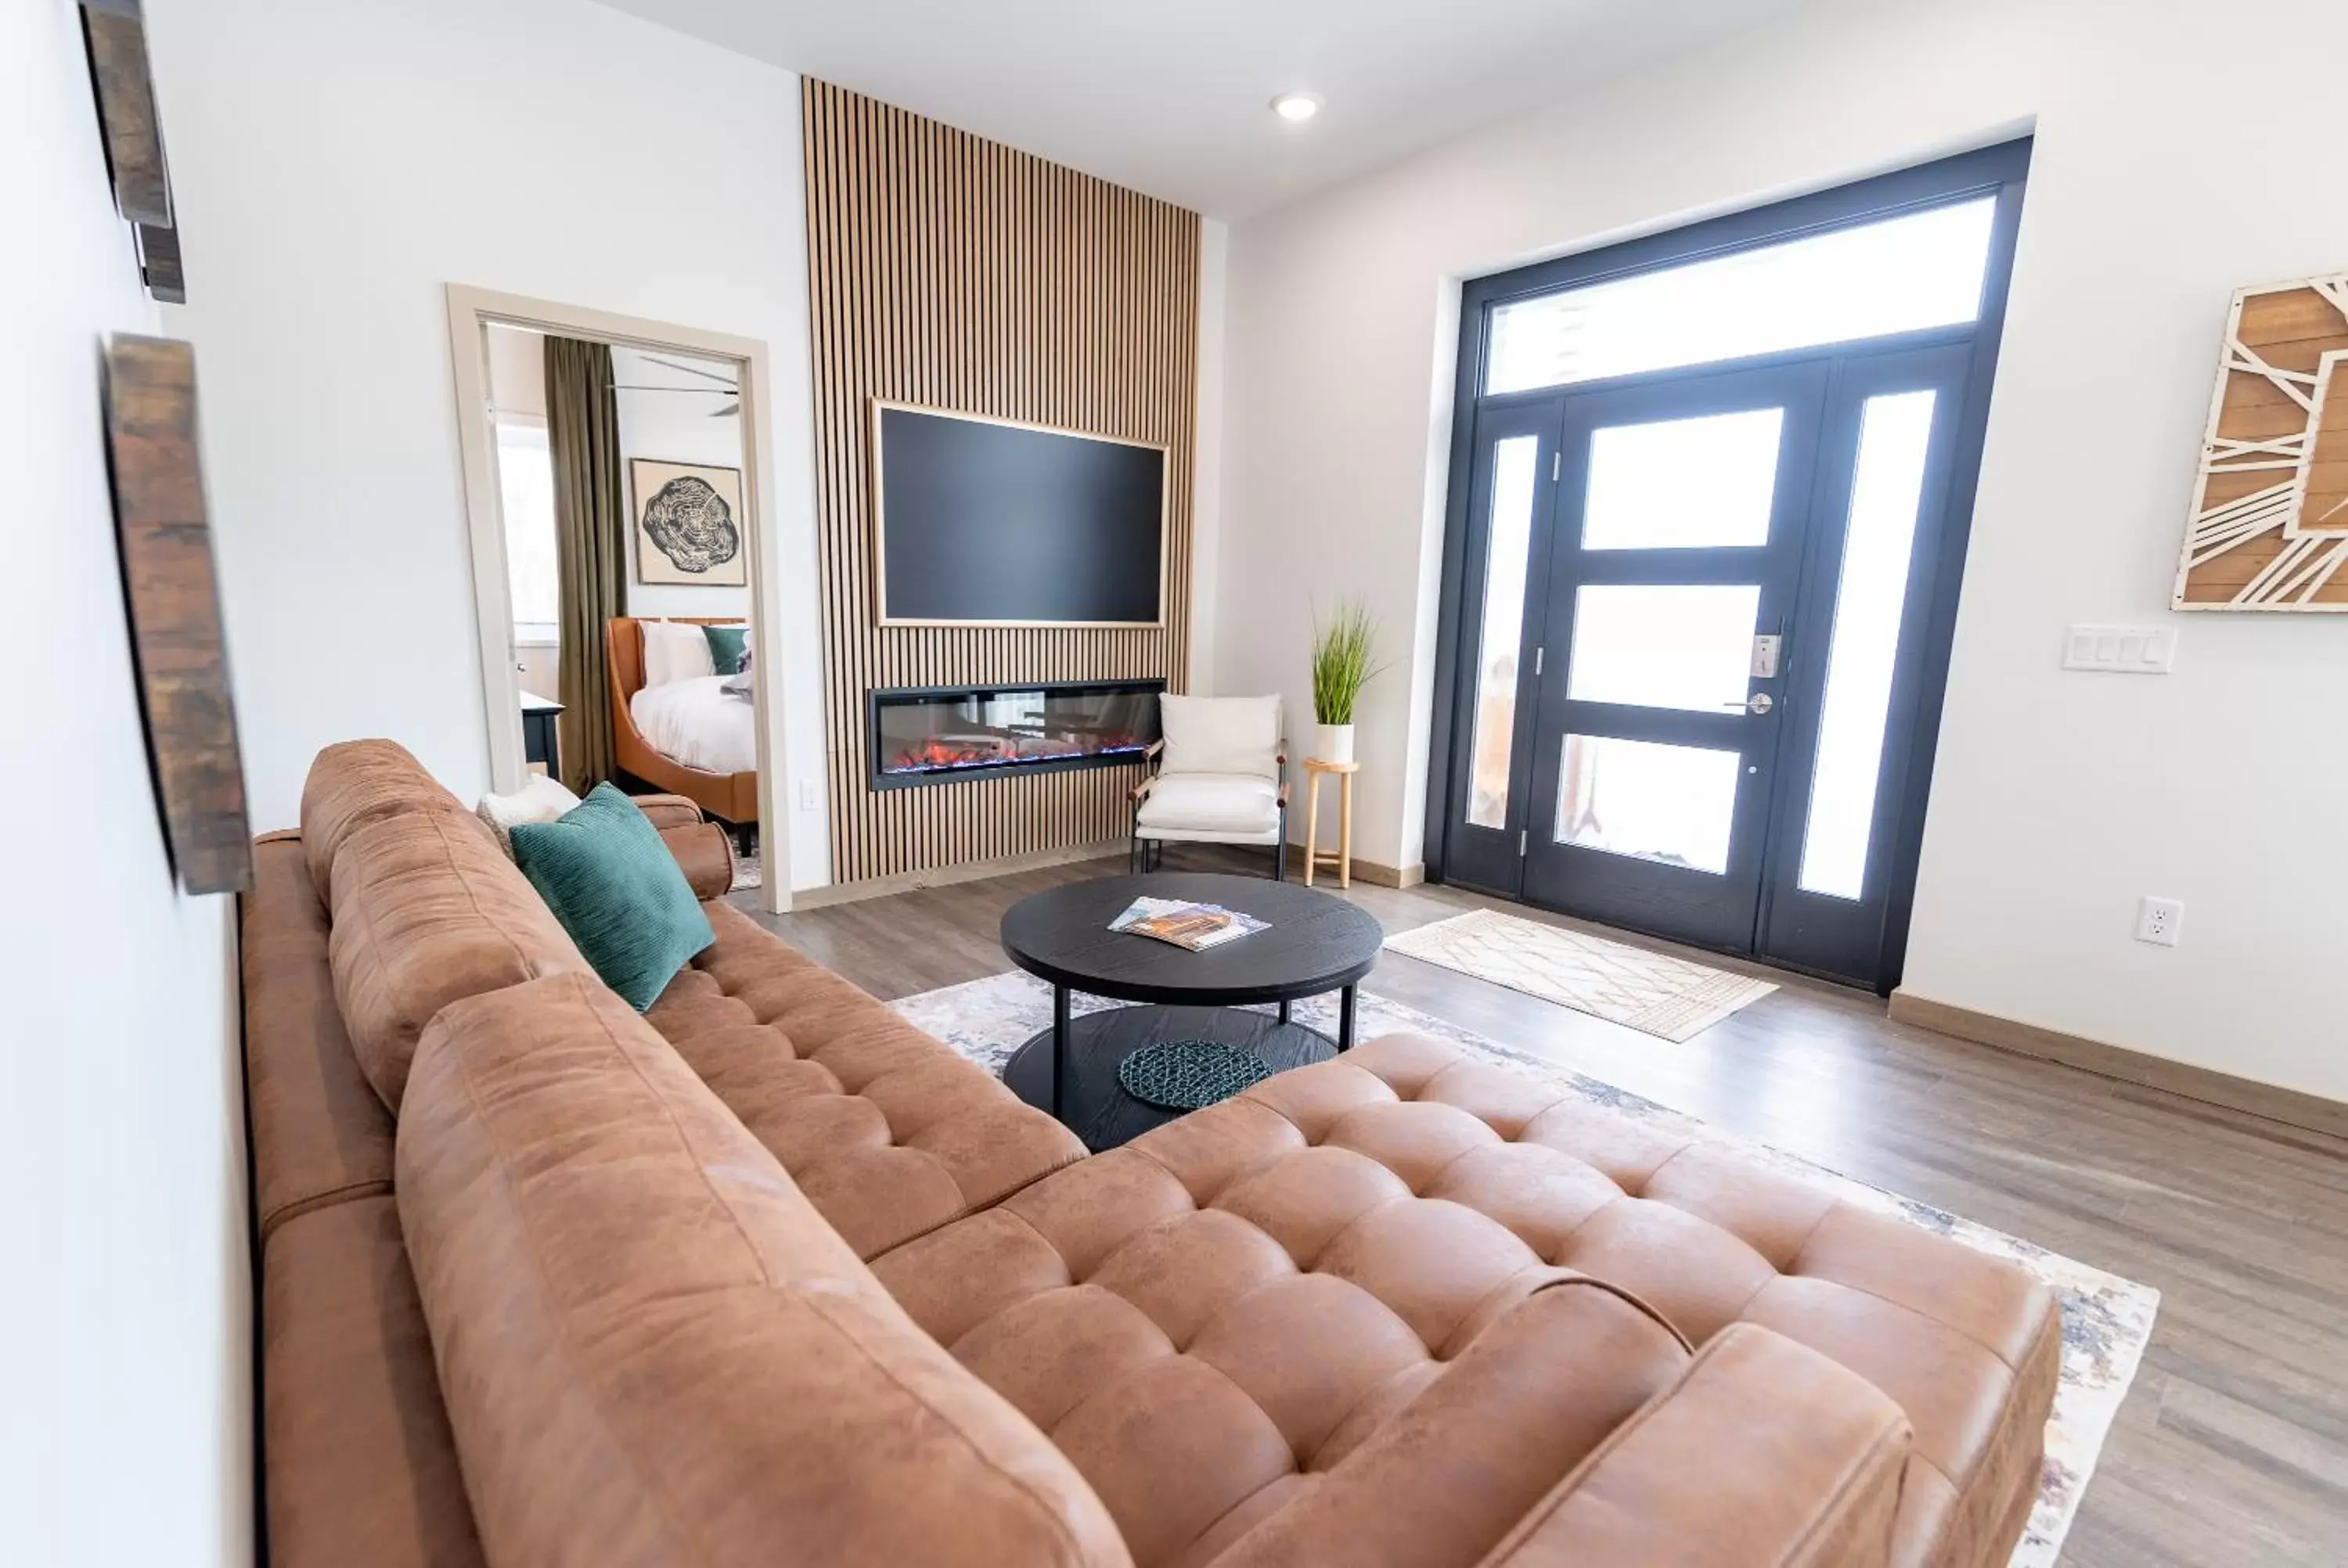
728 385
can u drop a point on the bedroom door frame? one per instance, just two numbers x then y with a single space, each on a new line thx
472 313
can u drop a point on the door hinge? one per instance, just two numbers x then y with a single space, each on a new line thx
1540 655
1522 836
1556 465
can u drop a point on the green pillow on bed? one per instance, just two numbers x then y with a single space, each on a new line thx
603 869
726 644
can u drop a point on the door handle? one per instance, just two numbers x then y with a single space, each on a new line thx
1759 702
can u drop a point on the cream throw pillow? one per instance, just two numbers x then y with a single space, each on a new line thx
540 800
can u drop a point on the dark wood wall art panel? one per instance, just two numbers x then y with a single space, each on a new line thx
954 272
173 601
116 36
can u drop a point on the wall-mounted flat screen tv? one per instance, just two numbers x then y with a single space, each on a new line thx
989 522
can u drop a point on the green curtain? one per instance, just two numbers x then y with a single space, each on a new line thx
590 521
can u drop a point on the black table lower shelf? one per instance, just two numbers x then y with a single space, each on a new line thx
1095 1105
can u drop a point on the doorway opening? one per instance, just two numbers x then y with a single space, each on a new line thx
1709 503
612 484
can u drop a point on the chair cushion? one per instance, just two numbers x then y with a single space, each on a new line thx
623 897
1222 736
1212 803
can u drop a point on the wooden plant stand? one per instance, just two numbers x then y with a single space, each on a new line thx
1314 769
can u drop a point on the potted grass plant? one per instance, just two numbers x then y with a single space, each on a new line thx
1344 660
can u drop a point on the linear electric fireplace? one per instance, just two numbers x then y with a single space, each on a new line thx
929 734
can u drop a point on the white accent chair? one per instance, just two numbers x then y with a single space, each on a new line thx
1218 776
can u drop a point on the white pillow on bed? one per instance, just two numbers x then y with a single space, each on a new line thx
675 651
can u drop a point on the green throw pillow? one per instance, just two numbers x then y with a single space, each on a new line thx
726 644
603 869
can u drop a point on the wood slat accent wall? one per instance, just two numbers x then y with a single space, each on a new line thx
955 271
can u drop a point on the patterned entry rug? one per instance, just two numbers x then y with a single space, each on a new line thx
748 871
1650 993
2106 1319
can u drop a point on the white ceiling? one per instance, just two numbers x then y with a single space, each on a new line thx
1173 99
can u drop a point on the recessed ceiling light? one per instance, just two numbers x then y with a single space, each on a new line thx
1296 108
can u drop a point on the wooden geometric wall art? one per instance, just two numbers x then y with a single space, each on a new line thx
115 34
172 598
2270 525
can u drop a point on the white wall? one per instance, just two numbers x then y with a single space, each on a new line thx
2160 184
340 161
669 429
126 1426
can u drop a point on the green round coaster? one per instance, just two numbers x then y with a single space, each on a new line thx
1188 1074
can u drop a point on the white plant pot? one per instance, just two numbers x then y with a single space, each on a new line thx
1334 743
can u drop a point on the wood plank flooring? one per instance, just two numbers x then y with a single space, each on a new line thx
2232 1448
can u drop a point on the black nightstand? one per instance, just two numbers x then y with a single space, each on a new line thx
537 739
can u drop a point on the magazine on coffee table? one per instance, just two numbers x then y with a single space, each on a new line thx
1194 927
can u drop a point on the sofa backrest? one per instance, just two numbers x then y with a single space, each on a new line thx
652 1348
356 784
427 912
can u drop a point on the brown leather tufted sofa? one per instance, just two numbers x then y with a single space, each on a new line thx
766 1275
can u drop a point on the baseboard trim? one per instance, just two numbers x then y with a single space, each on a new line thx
1369 871
2311 1112
946 875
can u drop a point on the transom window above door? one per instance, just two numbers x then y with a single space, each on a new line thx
1906 273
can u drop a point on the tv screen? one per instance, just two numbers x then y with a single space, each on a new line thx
988 522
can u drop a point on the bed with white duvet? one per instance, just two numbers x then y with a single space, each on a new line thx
697 721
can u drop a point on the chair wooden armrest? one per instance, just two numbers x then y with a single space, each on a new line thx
1283 795
1140 792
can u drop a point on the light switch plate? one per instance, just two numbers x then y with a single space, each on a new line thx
809 799
2120 649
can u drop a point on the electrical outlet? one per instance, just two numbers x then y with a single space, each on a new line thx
809 799
2160 921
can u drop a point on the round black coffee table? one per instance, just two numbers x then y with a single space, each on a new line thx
1316 943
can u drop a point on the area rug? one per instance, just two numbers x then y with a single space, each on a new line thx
1657 995
748 873
2107 1319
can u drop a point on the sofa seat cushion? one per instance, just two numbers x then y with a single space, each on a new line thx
1968 1346
320 1135
1261 1348
362 1466
654 1350
1338 1236
427 912
1211 803
886 1129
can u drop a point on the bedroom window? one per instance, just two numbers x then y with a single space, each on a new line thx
526 486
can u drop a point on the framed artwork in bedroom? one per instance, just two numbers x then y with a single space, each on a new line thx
2269 530
688 524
